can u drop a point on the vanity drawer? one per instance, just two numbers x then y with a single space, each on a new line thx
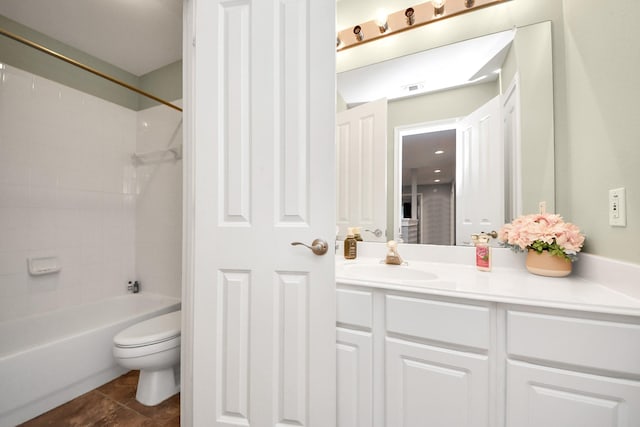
354 307
461 324
598 344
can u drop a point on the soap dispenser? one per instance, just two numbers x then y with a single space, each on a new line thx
483 251
350 245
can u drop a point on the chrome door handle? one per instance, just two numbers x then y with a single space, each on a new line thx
318 246
377 232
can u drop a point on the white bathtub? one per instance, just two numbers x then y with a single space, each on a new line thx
49 359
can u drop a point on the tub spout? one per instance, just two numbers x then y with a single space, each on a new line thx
133 287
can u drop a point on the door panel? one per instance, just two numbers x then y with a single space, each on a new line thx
542 396
480 172
361 164
261 109
355 378
431 386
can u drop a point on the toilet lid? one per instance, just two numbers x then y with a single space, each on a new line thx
151 331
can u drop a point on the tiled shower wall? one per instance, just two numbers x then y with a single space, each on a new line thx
159 202
67 189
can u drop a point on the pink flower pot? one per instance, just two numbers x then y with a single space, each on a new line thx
545 264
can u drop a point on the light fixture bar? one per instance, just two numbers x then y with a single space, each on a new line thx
399 21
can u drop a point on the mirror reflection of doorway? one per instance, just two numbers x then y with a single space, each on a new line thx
428 187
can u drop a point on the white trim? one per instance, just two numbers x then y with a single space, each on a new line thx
188 215
514 197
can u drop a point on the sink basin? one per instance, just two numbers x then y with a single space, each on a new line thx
387 273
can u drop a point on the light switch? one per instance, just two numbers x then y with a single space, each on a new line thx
617 207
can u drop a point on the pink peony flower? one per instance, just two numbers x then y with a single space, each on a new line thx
543 232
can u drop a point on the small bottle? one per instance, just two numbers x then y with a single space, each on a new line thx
483 253
356 234
350 245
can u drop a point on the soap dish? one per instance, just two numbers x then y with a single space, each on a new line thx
43 265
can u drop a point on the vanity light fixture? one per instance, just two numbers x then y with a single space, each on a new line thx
437 171
411 16
357 31
406 19
438 7
439 152
436 180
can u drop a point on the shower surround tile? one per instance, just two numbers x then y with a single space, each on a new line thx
65 183
69 187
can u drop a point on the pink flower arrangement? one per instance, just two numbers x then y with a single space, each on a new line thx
543 232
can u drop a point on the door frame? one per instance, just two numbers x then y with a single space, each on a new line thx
398 133
188 213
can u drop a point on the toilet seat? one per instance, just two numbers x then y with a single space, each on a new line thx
146 350
151 332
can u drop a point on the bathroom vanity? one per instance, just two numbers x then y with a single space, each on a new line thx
460 347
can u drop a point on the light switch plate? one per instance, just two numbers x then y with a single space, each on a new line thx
617 207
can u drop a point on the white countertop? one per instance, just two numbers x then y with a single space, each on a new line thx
508 282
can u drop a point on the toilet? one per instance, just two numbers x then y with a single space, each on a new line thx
153 347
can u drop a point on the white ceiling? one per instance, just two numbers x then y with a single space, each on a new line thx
419 153
138 36
468 62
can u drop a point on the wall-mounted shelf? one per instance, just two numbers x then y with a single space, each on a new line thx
172 153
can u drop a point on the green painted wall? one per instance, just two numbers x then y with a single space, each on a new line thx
165 83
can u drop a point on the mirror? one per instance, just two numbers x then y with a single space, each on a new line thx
524 88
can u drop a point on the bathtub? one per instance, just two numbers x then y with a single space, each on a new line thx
51 358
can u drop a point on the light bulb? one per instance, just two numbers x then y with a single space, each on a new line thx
438 7
357 31
381 20
411 16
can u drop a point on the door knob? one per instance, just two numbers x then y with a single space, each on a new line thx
318 246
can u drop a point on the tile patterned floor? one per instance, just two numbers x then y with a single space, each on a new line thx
113 404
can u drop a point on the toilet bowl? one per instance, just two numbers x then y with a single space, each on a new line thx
153 347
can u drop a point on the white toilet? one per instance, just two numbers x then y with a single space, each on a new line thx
153 347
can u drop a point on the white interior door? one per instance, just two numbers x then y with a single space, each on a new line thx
361 166
479 172
259 313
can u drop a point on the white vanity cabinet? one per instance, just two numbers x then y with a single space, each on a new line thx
437 362
567 369
410 359
354 351
405 360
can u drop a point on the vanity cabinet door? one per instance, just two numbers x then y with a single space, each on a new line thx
432 386
550 397
354 378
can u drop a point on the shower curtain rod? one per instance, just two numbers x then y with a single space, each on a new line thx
85 67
